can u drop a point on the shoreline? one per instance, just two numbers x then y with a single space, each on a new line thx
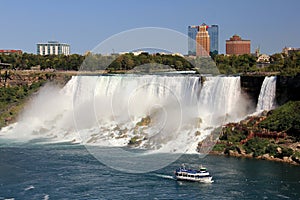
249 156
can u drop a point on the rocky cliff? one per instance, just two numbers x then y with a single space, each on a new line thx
251 86
287 87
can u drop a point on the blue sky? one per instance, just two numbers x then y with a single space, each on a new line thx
270 24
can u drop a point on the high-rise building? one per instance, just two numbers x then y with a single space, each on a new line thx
192 33
237 46
53 48
202 41
213 32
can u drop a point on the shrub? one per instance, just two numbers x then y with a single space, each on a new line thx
257 146
271 149
219 147
283 118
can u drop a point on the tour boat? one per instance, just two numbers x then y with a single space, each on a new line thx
201 175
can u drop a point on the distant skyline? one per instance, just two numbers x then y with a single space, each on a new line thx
269 24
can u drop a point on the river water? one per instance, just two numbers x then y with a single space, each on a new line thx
107 109
67 171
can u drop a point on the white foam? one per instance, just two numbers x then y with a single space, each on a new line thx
29 188
46 197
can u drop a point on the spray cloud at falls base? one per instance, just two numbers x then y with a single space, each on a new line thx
159 113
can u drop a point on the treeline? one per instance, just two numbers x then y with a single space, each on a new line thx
93 61
59 62
236 64
147 62
280 63
285 64
129 61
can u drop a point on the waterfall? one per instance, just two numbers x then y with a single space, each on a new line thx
111 110
220 96
266 99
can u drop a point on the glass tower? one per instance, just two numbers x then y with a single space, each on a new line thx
213 32
192 33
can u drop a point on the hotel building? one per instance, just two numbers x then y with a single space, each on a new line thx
53 48
237 46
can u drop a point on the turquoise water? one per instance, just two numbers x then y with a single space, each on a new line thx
64 171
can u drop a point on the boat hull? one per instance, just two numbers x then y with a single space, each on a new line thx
200 180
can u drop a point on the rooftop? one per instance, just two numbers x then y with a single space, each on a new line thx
236 37
52 42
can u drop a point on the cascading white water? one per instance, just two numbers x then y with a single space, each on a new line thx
105 110
266 99
220 96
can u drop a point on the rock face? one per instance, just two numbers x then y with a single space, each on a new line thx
144 121
296 159
287 89
251 86
28 77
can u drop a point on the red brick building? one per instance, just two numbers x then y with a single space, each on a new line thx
10 51
236 46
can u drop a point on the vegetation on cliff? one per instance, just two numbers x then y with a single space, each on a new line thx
12 100
285 118
274 135
15 91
